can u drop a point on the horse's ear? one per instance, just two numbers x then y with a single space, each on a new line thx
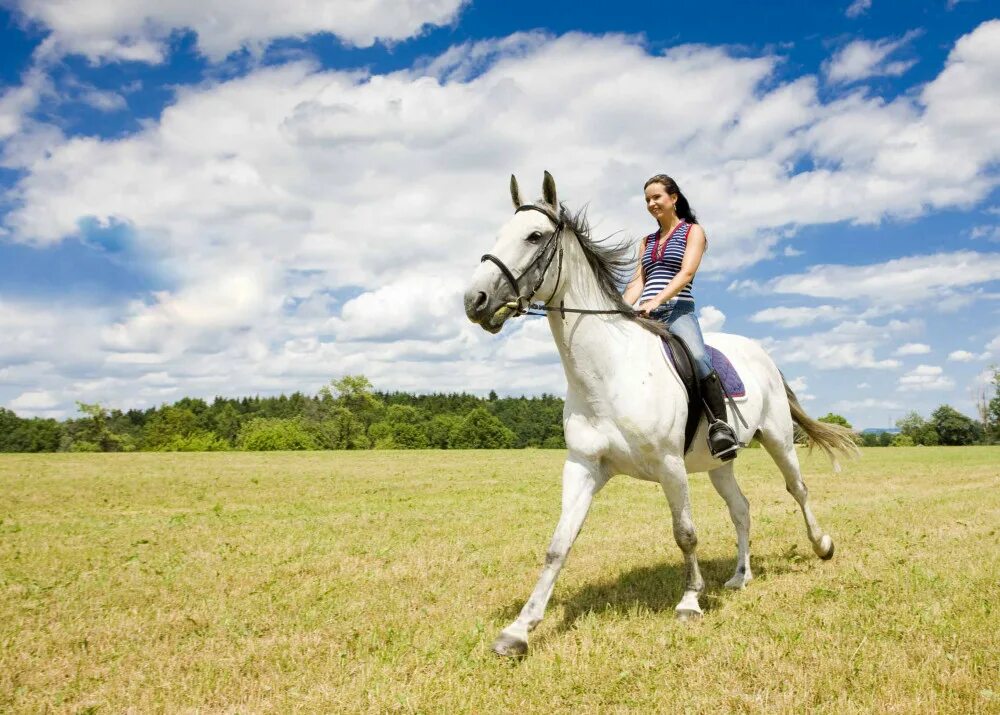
549 191
515 193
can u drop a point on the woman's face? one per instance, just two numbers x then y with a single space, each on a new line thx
658 202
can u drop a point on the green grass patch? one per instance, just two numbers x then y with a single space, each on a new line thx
376 581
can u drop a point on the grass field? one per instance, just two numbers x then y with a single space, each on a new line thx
375 582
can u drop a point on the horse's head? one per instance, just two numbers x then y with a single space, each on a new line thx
516 271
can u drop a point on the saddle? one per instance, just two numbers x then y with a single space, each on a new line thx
678 353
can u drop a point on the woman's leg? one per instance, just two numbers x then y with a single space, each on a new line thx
683 323
722 440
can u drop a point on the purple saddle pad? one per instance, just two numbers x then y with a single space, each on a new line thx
727 373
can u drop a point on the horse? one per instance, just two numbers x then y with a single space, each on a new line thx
626 407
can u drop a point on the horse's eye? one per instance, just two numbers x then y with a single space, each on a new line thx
535 237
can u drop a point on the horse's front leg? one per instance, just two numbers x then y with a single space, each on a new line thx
675 485
582 479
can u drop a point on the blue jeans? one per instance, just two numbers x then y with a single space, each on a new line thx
679 317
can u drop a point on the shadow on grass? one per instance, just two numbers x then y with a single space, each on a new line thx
657 588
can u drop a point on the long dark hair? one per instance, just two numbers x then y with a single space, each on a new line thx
683 208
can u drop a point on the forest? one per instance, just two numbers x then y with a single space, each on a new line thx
349 413
346 414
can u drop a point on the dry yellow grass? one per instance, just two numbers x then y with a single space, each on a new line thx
375 582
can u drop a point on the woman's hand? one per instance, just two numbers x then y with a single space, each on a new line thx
648 307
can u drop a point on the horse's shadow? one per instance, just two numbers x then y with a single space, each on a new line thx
657 588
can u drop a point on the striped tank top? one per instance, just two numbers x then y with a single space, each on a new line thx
661 264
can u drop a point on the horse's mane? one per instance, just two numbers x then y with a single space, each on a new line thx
613 263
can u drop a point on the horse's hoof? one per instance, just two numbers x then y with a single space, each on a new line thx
825 548
510 646
685 615
738 582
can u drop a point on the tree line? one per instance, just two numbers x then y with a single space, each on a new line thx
349 414
346 414
945 426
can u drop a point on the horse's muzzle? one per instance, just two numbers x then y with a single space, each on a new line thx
489 313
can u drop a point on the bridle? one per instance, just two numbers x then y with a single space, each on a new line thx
522 304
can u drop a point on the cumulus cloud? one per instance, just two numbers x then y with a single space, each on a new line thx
897 283
868 403
112 30
912 349
800 386
711 319
862 59
414 307
282 205
797 317
966 356
532 342
925 378
18 101
39 400
851 345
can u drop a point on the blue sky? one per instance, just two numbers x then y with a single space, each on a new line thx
235 199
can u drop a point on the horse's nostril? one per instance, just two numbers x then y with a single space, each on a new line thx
481 300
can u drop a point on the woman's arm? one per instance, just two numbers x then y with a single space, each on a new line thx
635 286
689 266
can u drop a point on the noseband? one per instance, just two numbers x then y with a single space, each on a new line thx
522 304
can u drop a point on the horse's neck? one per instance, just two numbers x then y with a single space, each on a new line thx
593 348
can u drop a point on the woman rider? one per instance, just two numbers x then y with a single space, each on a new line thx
662 285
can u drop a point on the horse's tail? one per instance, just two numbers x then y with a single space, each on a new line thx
832 439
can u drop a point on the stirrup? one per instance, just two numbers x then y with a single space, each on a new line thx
722 441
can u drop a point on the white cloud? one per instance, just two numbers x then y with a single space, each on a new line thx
140 30
844 356
797 384
209 306
270 201
791 251
912 349
862 59
34 401
851 345
989 232
17 102
858 8
414 307
797 317
711 319
896 283
923 378
532 342
104 100
993 347
966 356
863 385
868 403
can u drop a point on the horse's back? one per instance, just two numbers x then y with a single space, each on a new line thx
748 357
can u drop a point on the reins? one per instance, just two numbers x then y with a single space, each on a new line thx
522 305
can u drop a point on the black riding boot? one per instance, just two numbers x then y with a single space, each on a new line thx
722 440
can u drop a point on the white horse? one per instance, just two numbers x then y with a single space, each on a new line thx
625 405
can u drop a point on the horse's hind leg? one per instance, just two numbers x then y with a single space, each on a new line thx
581 481
780 444
724 481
